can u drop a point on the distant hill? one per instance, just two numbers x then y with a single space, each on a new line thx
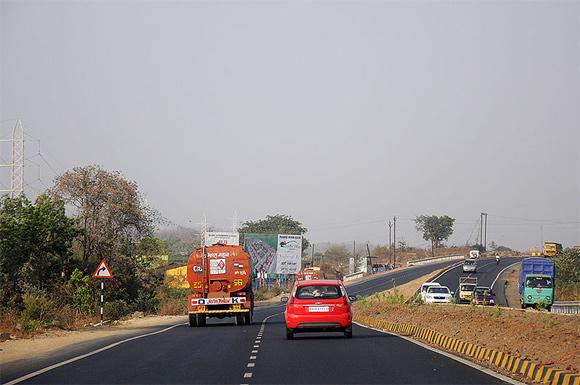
180 241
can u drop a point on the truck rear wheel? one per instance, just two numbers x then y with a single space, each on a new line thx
192 320
201 318
248 318
240 319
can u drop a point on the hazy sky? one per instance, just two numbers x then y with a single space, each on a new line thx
341 114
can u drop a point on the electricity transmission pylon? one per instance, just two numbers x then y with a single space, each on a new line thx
16 163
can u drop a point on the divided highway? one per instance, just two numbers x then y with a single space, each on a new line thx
487 271
222 353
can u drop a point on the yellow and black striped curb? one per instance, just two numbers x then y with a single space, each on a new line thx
544 374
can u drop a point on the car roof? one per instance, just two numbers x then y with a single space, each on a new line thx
482 287
432 283
311 282
440 287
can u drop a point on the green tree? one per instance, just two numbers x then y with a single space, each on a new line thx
276 224
111 212
152 246
113 219
35 243
434 229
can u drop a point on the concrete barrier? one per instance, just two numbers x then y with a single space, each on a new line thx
350 277
428 261
566 307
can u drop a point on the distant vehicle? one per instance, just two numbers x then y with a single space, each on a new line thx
473 254
424 287
536 282
467 286
438 294
318 306
551 249
310 273
483 296
379 267
470 266
219 278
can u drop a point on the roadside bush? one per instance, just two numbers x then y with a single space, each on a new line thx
37 312
568 275
116 309
80 289
146 302
172 301
66 317
263 294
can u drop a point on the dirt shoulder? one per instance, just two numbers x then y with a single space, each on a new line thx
47 343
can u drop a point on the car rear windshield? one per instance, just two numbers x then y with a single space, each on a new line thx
469 262
438 290
318 291
482 291
540 282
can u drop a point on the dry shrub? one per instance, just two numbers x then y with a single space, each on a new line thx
66 317
9 321
172 307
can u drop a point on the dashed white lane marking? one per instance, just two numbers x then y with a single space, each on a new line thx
256 346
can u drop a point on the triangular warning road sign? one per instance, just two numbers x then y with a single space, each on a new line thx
103 271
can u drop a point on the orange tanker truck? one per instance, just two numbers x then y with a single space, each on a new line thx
221 285
310 273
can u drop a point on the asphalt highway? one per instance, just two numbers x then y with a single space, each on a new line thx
222 353
487 271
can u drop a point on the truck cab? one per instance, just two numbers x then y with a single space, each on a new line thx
536 282
467 287
538 289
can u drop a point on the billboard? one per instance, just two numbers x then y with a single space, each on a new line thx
224 238
274 253
289 254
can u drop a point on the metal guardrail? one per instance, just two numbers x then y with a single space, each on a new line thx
566 307
350 277
427 261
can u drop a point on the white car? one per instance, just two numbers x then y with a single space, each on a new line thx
438 294
426 286
470 266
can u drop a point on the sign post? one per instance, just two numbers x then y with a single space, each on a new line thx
102 272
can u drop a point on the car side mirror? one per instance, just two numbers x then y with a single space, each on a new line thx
352 298
452 293
284 299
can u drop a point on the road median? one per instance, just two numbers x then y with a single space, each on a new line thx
528 346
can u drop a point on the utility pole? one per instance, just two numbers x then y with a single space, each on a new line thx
394 241
485 233
17 161
483 230
312 256
390 244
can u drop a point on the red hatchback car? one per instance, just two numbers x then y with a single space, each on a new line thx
318 306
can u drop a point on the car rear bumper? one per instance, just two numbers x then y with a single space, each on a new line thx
318 322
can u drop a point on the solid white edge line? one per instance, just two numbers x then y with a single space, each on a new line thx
500 273
70 360
449 355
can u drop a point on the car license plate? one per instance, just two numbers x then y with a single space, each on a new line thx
318 309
